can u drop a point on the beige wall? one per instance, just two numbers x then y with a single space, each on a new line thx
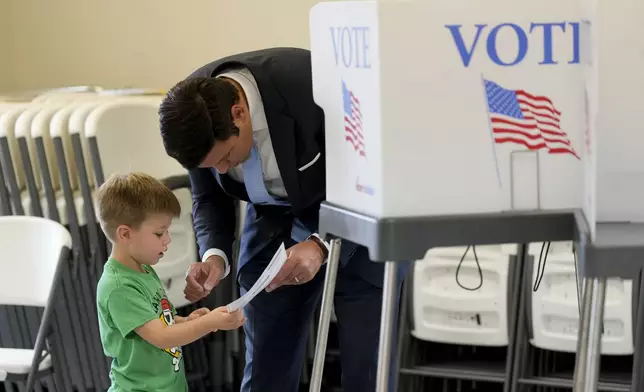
5 77
142 43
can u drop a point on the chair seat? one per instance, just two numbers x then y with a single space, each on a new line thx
18 361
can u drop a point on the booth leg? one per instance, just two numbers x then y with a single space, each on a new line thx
325 316
589 335
387 324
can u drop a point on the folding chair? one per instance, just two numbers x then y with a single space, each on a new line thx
475 313
554 310
29 276
22 321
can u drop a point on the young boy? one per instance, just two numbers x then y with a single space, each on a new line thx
139 327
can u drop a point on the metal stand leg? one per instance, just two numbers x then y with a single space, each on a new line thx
387 324
637 382
589 336
325 316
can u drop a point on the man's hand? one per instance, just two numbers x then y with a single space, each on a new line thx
201 278
304 261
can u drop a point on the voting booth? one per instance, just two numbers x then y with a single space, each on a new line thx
459 123
424 101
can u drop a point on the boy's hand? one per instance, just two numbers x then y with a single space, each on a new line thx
227 321
198 313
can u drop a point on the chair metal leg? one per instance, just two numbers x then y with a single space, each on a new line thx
325 315
45 324
387 325
589 335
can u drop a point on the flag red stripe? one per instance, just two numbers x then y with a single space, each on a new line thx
527 111
533 107
502 131
538 146
499 120
357 148
353 136
353 124
523 93
554 125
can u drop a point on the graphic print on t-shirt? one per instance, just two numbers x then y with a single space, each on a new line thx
168 319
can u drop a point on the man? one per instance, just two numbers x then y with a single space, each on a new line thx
246 127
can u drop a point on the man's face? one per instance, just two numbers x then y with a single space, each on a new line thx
232 152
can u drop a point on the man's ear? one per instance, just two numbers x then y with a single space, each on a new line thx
238 112
123 232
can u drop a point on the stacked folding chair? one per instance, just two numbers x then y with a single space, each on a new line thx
30 277
56 148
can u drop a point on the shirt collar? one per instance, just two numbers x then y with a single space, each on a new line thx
255 105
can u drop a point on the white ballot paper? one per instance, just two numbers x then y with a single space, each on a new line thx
267 277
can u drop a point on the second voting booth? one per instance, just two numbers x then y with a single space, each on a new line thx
463 124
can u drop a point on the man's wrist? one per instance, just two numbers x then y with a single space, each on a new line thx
321 245
217 261
217 252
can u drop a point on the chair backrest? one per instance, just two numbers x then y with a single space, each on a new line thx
30 251
127 135
7 130
23 131
64 95
5 106
59 128
77 130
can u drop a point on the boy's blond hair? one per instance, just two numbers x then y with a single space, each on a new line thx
129 199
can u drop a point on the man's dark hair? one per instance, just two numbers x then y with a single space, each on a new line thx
194 115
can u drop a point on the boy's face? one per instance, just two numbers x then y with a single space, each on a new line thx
150 241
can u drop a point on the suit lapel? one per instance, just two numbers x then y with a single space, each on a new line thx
281 129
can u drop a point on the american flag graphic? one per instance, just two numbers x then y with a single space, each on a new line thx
532 121
353 120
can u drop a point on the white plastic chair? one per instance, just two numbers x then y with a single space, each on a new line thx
555 306
445 312
33 251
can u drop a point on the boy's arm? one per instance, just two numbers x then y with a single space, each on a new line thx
197 313
164 336
131 312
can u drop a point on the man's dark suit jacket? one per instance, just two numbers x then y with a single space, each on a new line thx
296 127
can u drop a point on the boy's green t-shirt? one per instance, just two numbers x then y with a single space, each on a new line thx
126 300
